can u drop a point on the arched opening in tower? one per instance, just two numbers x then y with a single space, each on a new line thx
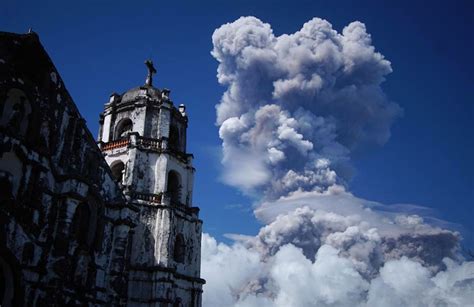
174 138
174 187
117 168
179 251
123 128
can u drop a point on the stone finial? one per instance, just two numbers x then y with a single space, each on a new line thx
151 71
114 97
165 94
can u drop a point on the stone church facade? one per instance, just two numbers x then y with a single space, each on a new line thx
86 223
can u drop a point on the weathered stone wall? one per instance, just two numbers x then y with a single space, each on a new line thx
63 225
157 272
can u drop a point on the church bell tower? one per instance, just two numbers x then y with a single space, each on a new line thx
143 139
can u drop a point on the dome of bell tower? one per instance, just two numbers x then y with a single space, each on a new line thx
144 91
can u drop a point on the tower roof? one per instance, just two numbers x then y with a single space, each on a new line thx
140 91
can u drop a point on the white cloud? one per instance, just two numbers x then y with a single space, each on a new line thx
227 270
244 275
330 280
406 283
330 248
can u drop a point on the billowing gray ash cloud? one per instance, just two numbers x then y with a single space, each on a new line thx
295 108
297 105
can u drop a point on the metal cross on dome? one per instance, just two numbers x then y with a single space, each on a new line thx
151 71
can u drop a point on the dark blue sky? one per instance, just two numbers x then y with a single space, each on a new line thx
99 47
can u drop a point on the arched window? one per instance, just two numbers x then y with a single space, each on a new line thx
11 168
117 168
174 187
80 224
123 127
5 187
174 138
6 284
179 251
178 303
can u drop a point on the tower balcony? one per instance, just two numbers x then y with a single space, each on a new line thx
162 200
134 140
114 144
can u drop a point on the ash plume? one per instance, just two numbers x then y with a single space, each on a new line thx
295 108
297 105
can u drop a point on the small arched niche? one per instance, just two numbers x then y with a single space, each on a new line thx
117 168
174 187
179 251
123 127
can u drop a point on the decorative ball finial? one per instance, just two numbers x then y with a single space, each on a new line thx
151 71
182 109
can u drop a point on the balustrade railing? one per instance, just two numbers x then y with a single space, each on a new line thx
115 144
149 143
133 140
143 142
164 199
154 198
